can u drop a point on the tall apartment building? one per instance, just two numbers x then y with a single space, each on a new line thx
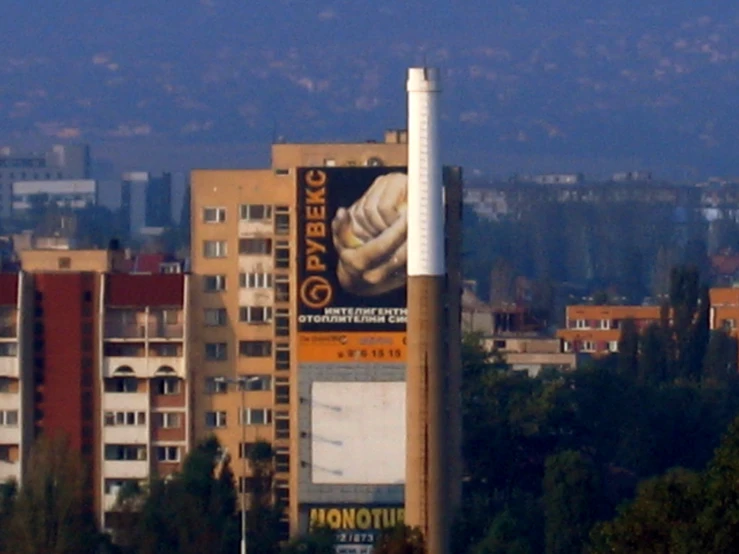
146 200
60 163
256 372
99 356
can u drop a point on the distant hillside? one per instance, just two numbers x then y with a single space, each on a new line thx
542 85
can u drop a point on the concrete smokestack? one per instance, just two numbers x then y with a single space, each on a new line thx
427 467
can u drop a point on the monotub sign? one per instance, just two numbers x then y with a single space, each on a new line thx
352 249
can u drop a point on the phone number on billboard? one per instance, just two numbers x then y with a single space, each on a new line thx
371 354
355 538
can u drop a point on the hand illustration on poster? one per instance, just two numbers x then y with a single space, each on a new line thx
370 238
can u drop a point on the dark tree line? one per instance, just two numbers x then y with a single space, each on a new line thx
549 459
193 511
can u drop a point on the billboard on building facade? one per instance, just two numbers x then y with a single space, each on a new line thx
357 527
358 433
352 249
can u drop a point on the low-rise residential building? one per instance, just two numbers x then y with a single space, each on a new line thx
596 329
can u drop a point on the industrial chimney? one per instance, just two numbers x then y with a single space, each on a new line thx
427 469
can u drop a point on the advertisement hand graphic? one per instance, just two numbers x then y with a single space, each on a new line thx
370 238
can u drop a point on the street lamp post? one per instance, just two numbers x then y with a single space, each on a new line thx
242 382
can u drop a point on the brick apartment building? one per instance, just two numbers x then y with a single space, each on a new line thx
100 356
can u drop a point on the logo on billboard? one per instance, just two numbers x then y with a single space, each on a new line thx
352 248
356 527
316 292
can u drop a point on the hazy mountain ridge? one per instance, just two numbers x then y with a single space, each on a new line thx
540 78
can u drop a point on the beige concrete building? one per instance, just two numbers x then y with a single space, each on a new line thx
243 340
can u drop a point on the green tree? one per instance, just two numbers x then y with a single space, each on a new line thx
661 520
187 513
264 514
720 362
628 350
572 494
516 529
653 362
401 539
52 513
8 494
319 540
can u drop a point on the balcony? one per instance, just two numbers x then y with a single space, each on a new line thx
256 297
126 434
8 330
109 501
10 435
9 470
9 367
123 331
126 469
256 228
144 367
159 331
126 401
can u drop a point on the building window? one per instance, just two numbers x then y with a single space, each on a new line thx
215 419
121 384
245 449
8 349
214 249
282 254
216 385
125 452
255 280
214 215
8 418
255 348
255 314
255 212
255 416
282 492
604 324
282 322
214 283
581 324
258 382
566 346
113 486
168 386
124 419
215 317
282 288
613 346
728 324
282 391
167 420
282 220
216 351
165 350
282 357
282 460
588 346
255 246
282 425
6 384
168 453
